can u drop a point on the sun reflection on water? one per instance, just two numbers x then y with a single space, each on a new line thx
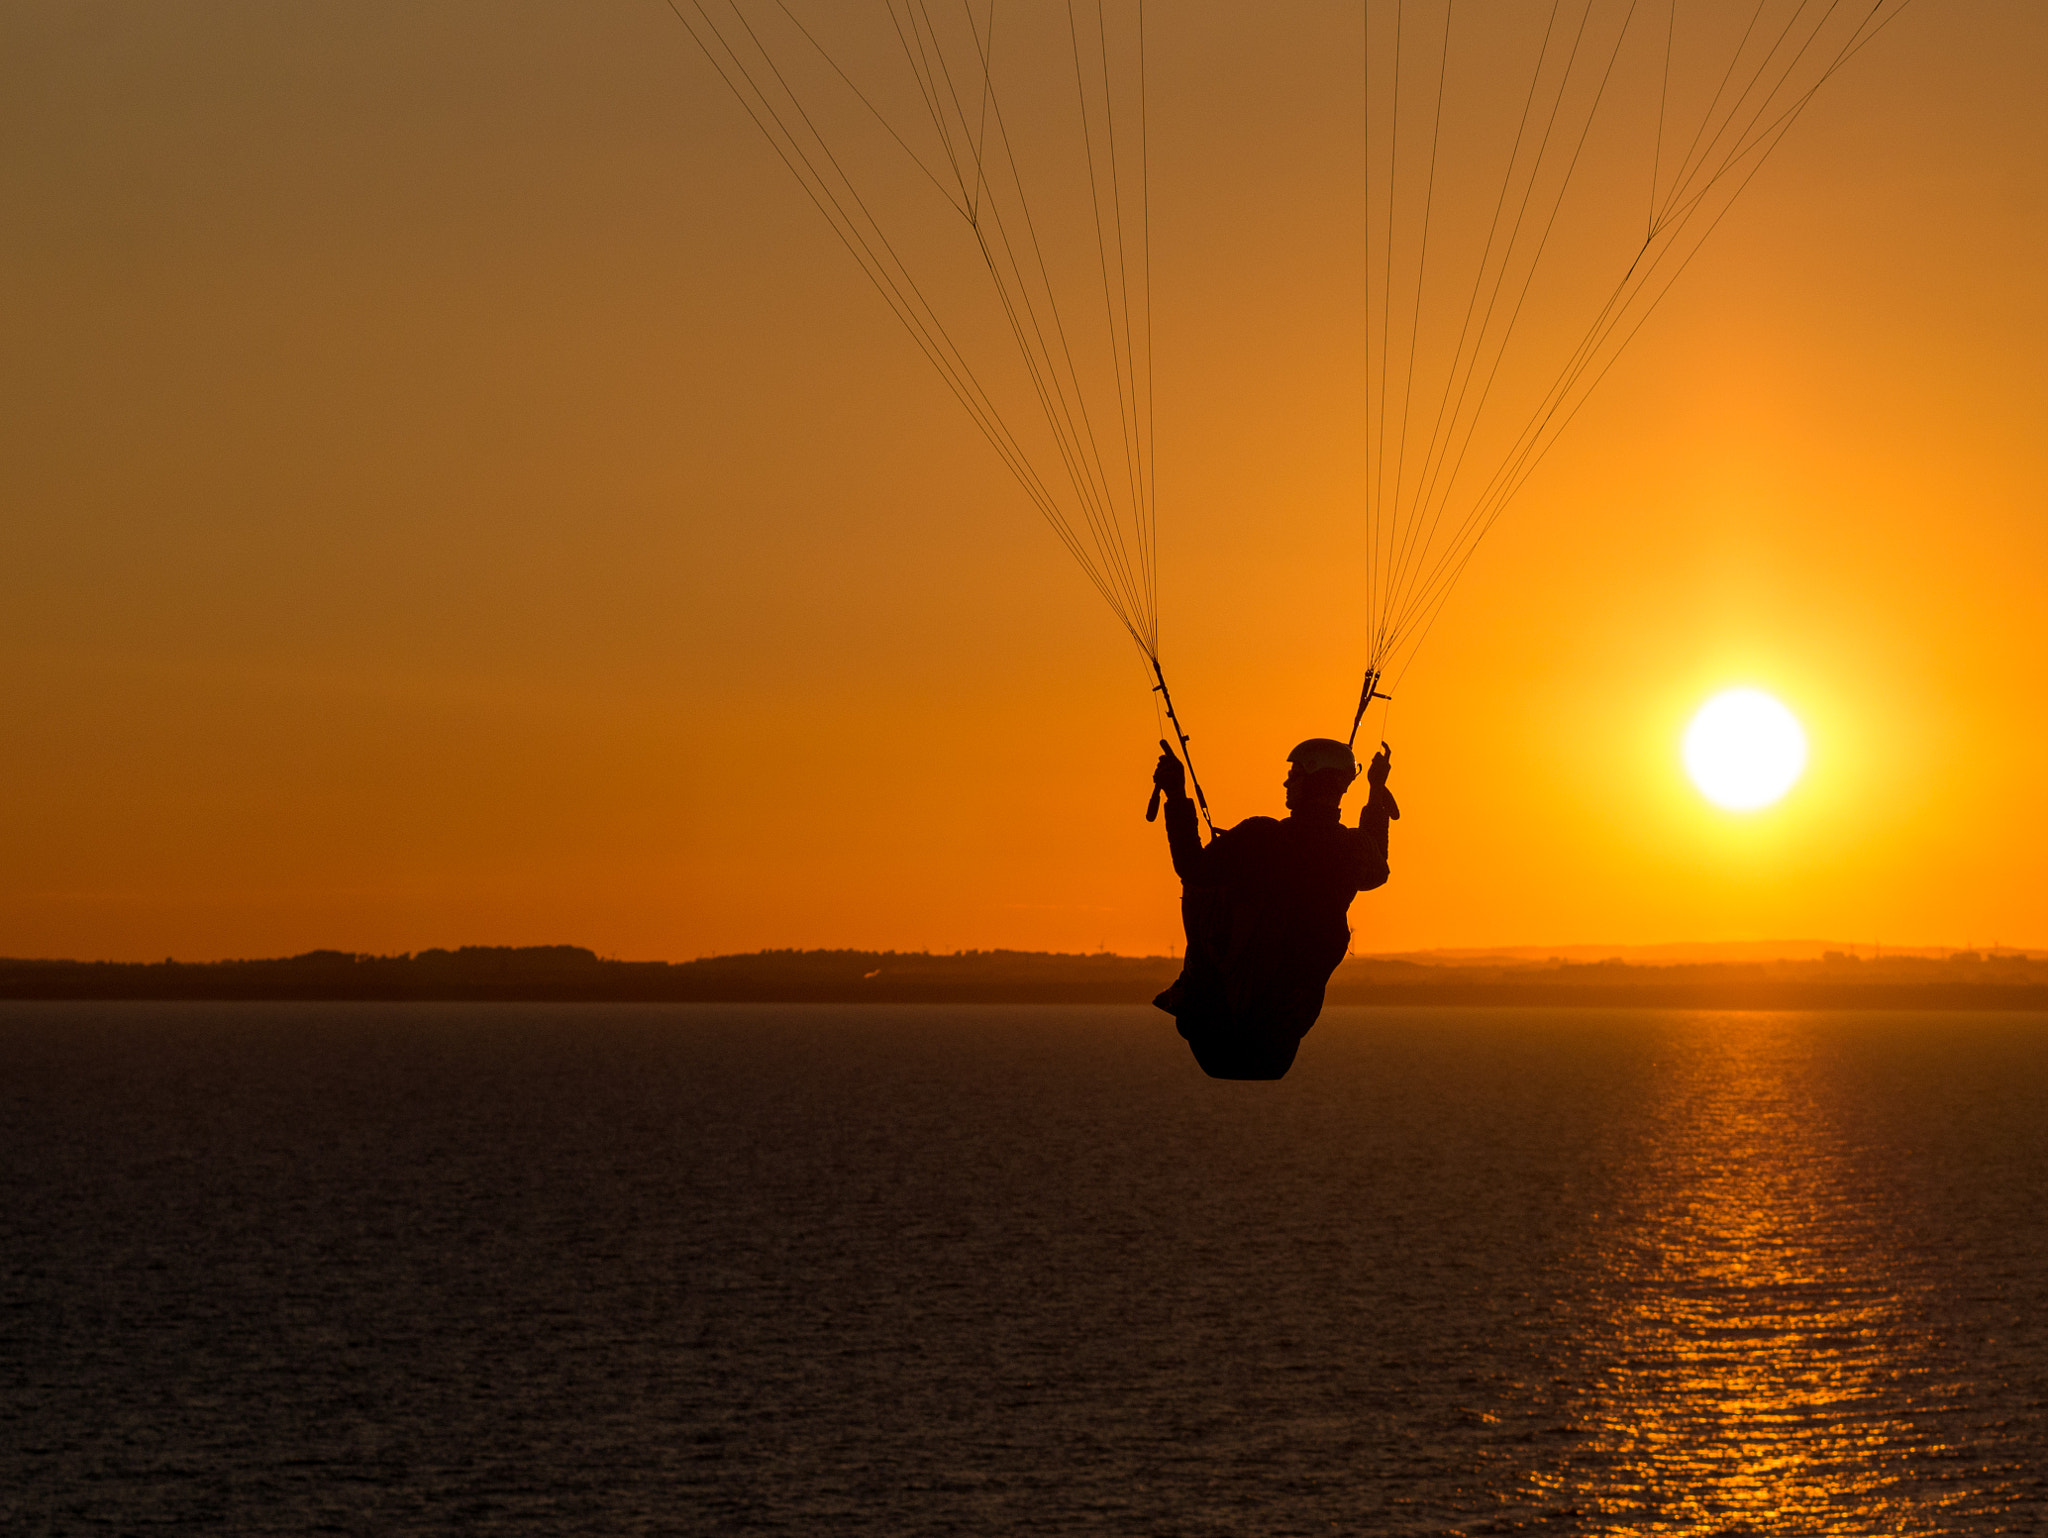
1760 1356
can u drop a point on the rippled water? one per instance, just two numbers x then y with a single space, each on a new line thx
390 1269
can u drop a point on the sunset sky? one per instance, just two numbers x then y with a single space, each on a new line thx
456 491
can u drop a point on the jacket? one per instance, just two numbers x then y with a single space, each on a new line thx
1266 907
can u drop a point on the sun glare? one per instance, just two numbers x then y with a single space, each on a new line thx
1744 750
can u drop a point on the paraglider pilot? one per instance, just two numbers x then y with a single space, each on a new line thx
1265 906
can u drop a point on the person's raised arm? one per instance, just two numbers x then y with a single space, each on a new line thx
1183 836
1373 818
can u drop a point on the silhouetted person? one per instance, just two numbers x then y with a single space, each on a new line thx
1265 907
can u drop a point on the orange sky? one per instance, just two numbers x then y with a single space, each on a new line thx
456 491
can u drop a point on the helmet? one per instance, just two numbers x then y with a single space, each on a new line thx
1323 753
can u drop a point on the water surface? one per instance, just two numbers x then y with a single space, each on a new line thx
706 1269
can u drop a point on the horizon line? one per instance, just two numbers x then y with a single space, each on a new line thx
1575 951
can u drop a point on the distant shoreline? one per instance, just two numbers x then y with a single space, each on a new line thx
570 974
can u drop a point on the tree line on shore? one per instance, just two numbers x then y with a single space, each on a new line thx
566 973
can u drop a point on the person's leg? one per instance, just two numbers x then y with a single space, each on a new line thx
1229 1055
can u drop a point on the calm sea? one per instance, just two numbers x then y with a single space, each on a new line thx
593 1269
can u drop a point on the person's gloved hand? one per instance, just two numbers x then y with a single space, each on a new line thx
1381 800
1169 774
1381 766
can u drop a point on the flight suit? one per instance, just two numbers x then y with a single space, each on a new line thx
1265 905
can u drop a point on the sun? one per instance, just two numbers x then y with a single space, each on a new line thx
1744 750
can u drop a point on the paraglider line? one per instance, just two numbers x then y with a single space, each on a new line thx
1422 266
1404 605
1150 468
1366 696
1721 90
918 318
1522 466
1433 461
1400 596
1728 148
1541 434
1663 105
1187 757
1077 443
927 82
1123 358
1134 599
915 159
987 49
1376 494
1746 140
